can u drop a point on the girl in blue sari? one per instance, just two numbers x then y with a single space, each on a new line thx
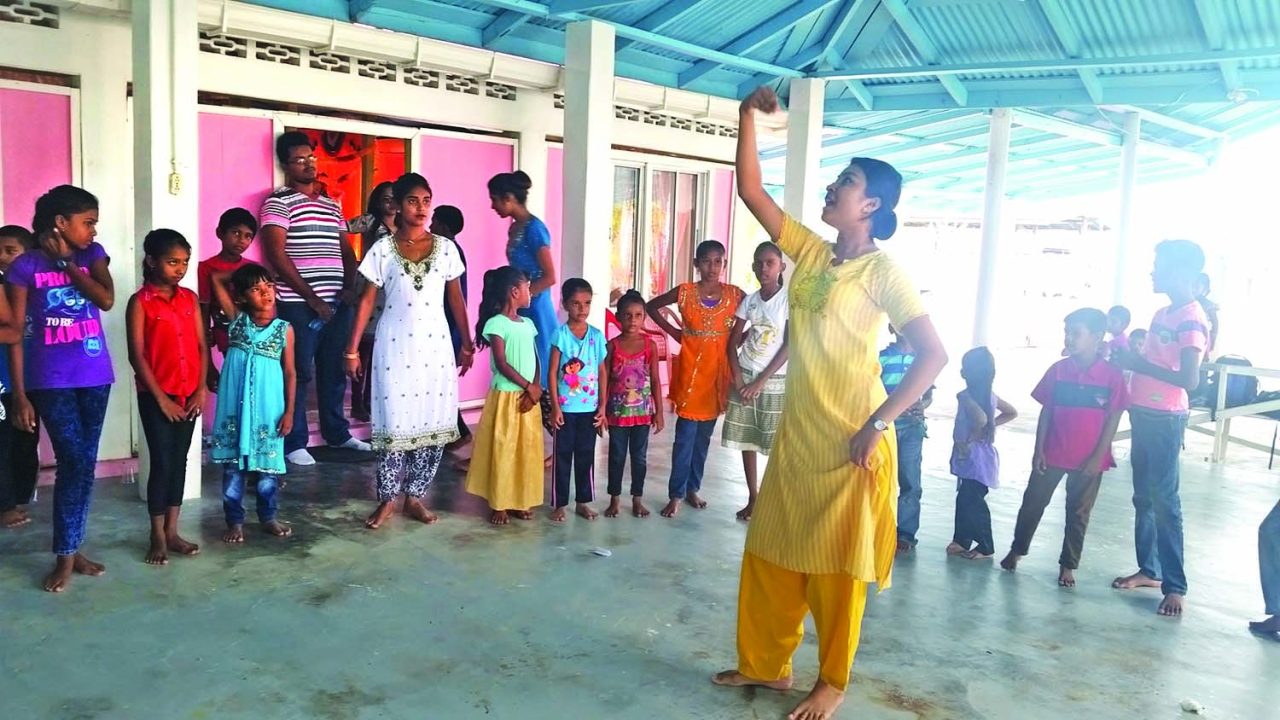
529 250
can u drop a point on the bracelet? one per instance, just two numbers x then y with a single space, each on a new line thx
351 356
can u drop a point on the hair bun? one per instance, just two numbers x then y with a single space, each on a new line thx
885 223
521 179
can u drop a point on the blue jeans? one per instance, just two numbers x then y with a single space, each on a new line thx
689 456
73 418
323 350
910 455
233 481
1269 560
1157 527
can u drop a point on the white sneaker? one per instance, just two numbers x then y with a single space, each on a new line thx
354 444
300 457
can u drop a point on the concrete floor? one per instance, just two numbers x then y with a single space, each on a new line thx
461 620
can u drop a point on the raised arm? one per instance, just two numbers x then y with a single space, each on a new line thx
653 306
750 185
1005 413
222 295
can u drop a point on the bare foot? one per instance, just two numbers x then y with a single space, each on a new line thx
181 546
904 547
521 514
638 509
547 462
1010 561
821 704
234 534
977 555
379 516
558 515
1066 577
1270 626
157 554
671 509
956 549
586 512
745 513
10 519
1171 606
499 517
414 509
615 507
733 678
693 499
1136 580
84 566
57 580
277 529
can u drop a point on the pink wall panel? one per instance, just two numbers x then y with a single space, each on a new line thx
458 170
35 144
236 170
554 214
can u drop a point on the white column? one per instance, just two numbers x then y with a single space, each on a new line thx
802 195
992 222
534 124
588 162
165 156
1124 225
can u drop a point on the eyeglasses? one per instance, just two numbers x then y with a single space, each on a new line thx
308 160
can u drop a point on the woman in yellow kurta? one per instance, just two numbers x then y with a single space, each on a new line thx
824 525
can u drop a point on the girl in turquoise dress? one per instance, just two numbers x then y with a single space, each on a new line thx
529 251
255 398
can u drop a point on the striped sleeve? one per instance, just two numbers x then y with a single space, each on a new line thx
892 290
275 211
799 242
1192 333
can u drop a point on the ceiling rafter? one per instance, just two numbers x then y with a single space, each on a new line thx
761 34
924 45
664 17
502 25
1070 41
1210 16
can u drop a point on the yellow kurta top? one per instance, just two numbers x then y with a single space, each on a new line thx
817 512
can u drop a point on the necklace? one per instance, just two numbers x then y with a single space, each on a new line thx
417 271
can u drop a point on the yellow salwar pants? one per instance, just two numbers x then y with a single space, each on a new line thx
772 603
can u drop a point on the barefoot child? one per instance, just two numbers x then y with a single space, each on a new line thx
577 414
635 406
236 229
700 379
256 394
1082 399
910 431
506 467
1165 371
19 459
758 368
168 354
63 372
974 460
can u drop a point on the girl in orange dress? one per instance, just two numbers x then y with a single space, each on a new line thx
700 379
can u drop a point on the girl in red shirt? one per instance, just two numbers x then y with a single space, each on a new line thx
167 351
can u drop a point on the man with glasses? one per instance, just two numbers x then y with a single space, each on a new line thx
302 240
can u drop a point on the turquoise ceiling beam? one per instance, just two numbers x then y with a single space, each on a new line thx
840 158
1214 26
560 7
1070 41
917 123
924 45
664 17
503 24
761 34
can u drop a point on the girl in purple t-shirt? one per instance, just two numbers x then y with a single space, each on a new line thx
63 370
974 460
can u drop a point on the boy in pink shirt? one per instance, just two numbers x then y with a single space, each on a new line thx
1082 398
1166 370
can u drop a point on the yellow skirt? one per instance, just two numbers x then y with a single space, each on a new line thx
506 466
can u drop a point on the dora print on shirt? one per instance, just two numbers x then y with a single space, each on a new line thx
579 377
65 346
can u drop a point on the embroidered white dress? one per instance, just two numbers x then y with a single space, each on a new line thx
415 378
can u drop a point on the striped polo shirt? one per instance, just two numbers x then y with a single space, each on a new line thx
894 364
1173 329
1078 400
313 240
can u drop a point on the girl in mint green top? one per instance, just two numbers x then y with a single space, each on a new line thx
519 351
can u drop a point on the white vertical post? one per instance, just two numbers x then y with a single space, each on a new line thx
535 115
588 164
165 155
1124 225
992 222
802 195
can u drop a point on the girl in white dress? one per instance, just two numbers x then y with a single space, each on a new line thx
415 376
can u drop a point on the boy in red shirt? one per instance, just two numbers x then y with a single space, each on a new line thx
236 229
1082 398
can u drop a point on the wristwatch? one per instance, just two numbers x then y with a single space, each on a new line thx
879 424
61 263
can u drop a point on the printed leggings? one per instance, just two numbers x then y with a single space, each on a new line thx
73 418
407 471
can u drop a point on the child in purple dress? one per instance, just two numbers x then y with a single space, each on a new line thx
974 460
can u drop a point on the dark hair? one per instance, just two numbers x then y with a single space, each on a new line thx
498 284
450 217
64 201
771 247
1203 278
1121 313
572 287
19 233
1093 319
885 183
246 276
706 247
157 243
406 184
288 141
516 184
1140 332
1183 256
978 368
373 209
237 216
630 297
